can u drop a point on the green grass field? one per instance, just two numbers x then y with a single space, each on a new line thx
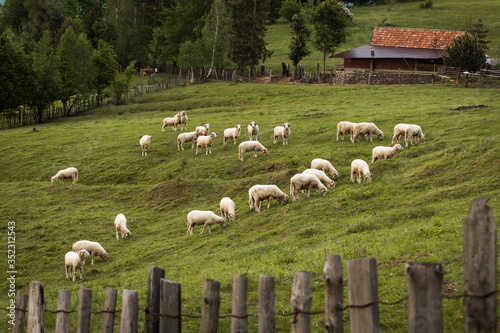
413 209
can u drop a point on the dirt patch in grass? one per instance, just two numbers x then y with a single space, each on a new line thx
461 108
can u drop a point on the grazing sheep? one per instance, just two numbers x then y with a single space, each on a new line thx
321 176
382 153
232 133
205 129
228 209
414 133
324 165
344 127
259 193
282 131
361 168
183 119
144 142
247 146
253 129
365 129
74 260
121 226
94 248
205 218
399 132
174 121
187 137
206 141
64 174
305 182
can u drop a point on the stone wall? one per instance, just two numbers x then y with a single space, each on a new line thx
382 78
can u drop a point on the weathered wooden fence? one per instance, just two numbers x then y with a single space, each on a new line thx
425 308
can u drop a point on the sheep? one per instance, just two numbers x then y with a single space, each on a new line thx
174 121
228 209
253 129
232 133
94 248
207 141
187 137
366 129
183 119
121 226
361 168
382 153
259 193
307 182
321 176
282 131
144 142
399 132
324 165
203 217
64 174
344 127
74 260
414 132
247 146
205 129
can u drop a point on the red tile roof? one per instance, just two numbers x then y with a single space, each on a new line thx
413 38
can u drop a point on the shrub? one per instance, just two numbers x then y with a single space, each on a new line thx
427 4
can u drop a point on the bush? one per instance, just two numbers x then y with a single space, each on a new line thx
290 8
427 4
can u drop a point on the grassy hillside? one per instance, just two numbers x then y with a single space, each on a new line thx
412 210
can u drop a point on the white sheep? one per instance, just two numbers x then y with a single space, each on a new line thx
94 248
324 165
228 208
414 133
65 174
253 129
203 217
205 141
232 133
205 129
247 146
366 129
74 260
183 119
144 142
344 127
121 226
305 182
399 132
321 176
259 193
382 153
173 121
187 137
360 168
282 131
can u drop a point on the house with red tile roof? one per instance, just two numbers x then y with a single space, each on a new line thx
405 49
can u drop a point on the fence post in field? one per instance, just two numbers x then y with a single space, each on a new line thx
84 309
301 301
270 75
130 312
425 305
480 268
36 308
21 302
170 304
152 323
239 306
363 290
210 307
63 308
267 320
343 77
334 294
108 318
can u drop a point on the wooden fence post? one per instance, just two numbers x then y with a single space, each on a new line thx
170 304
334 294
63 308
301 301
152 323
130 312
84 309
210 307
108 318
270 75
36 308
480 268
239 306
363 290
267 319
343 77
21 302
425 305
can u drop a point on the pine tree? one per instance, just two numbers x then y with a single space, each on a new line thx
298 46
480 33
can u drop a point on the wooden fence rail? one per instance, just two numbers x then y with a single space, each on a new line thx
163 303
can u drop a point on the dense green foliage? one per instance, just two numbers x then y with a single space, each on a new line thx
300 34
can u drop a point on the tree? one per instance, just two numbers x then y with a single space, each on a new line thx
122 81
106 66
480 33
289 8
192 54
330 22
298 47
